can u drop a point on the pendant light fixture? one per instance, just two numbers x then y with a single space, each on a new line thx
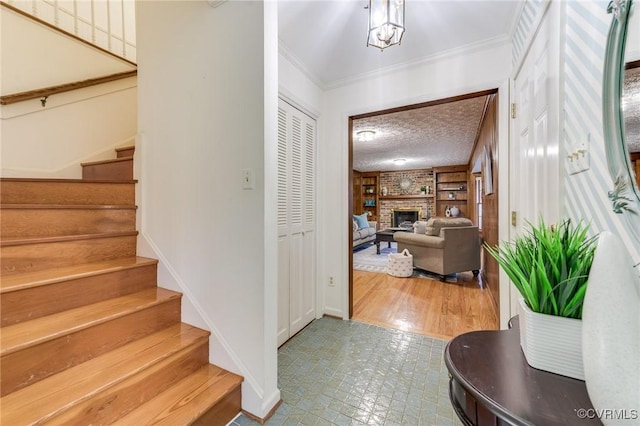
386 23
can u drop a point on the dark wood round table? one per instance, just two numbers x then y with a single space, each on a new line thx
492 384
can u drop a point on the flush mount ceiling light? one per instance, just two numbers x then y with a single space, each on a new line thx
386 23
366 135
399 161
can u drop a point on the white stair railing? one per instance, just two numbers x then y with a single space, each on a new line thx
108 24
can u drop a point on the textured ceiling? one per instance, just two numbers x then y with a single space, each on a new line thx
431 136
631 109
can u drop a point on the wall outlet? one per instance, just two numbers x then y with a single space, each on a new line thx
331 284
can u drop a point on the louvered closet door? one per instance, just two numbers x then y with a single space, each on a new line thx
296 220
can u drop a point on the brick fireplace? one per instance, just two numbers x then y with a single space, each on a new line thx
405 216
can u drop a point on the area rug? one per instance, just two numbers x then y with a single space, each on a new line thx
366 259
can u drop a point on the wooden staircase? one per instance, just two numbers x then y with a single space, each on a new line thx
86 335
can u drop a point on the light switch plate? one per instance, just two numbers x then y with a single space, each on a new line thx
247 179
579 159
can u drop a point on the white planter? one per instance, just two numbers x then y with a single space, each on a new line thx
551 343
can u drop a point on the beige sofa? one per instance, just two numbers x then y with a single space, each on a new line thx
365 235
443 246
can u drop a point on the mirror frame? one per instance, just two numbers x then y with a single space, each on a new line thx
625 195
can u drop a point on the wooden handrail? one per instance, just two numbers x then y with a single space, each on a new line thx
61 88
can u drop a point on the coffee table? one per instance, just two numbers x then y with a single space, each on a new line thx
387 235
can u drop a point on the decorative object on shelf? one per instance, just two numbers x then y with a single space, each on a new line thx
447 211
386 23
385 191
455 212
550 266
428 189
610 330
423 190
451 196
405 184
370 203
366 135
369 190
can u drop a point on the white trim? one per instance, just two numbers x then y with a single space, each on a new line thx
528 41
164 262
452 53
325 86
288 55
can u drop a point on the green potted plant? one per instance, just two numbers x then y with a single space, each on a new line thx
549 266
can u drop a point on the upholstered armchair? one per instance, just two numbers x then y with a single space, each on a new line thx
443 246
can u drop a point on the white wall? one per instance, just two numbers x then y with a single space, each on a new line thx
295 86
207 110
73 127
464 72
586 25
35 56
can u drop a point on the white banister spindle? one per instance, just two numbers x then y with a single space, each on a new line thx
76 29
56 11
93 22
109 25
124 29
58 17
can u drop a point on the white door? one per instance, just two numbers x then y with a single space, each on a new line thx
535 175
296 221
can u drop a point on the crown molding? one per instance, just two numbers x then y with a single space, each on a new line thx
473 47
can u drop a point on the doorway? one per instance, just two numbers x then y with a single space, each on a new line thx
411 295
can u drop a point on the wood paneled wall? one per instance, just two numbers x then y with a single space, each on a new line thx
488 138
635 159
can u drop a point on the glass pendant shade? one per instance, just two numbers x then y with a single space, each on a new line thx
386 23
366 135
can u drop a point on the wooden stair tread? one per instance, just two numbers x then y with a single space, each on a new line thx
25 334
125 148
25 280
17 241
109 161
187 400
60 391
61 180
70 206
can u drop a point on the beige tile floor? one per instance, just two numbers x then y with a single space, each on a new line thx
338 372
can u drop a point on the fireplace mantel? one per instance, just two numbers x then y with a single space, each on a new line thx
406 197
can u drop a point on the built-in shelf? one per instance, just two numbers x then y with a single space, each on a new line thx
406 197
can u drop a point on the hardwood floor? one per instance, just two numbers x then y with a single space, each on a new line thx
424 306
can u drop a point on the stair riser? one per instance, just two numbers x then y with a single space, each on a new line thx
126 396
40 256
223 412
57 222
120 170
125 152
70 193
35 302
32 364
